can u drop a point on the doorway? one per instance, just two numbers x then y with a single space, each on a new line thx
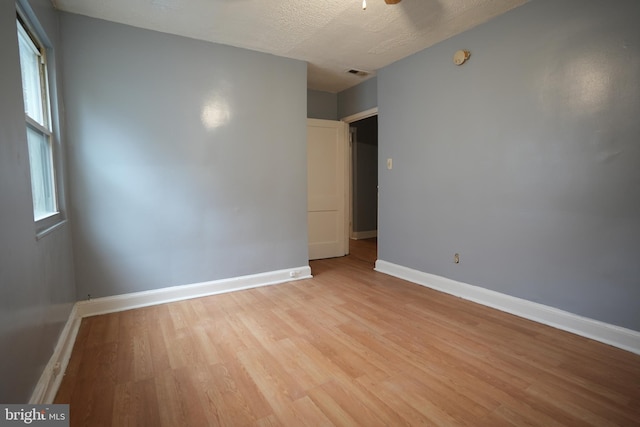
342 213
363 138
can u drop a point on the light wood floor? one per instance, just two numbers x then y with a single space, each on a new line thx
348 347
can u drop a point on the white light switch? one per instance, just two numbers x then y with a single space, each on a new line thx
389 164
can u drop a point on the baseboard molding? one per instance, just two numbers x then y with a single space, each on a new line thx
177 293
616 336
49 382
358 235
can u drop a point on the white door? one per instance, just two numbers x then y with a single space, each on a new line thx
327 177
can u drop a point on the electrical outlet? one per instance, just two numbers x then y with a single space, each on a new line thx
456 258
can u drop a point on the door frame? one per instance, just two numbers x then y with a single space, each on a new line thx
362 115
352 159
348 120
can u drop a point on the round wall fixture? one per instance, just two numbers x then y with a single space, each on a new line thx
461 56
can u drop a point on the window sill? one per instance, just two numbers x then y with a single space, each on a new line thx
49 227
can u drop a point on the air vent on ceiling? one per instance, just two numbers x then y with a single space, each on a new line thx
358 73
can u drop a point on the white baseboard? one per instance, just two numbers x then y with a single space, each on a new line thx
49 382
358 235
196 290
616 336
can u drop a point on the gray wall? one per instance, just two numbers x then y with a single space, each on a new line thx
187 159
331 106
36 276
322 105
365 176
358 98
524 160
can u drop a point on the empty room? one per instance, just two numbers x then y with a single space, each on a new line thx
342 212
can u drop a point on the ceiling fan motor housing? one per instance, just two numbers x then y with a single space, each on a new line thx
392 1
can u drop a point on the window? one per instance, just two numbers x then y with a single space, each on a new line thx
35 92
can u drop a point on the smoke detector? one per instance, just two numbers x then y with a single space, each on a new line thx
461 56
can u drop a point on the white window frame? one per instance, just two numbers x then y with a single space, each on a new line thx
44 128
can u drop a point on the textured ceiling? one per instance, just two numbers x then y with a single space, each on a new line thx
333 36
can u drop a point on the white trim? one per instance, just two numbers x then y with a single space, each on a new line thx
351 157
350 119
346 198
357 235
47 230
37 126
49 382
362 115
616 336
178 293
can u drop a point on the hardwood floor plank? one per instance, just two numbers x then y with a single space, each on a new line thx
93 403
223 404
331 409
95 386
181 314
181 349
177 400
135 404
204 343
361 409
134 350
352 364
575 402
274 390
349 347
421 402
520 414
223 335
104 329
239 386
409 415
269 421
290 321
310 414
270 369
157 346
309 372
